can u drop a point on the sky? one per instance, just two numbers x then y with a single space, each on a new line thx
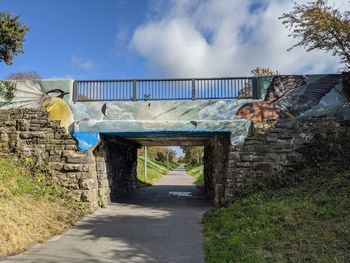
128 39
117 39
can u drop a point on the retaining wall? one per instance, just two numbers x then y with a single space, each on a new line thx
285 146
90 176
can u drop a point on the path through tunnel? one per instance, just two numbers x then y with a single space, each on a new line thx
117 155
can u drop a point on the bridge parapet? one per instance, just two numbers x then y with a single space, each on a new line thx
165 89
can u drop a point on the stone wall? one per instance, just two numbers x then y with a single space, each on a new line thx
215 167
284 146
90 176
109 170
116 166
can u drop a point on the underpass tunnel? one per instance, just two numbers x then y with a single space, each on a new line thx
117 158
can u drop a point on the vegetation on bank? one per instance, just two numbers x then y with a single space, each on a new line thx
304 217
196 171
32 207
155 170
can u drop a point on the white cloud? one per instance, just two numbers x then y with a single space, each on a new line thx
82 63
121 40
193 38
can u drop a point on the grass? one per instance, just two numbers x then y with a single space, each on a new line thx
196 172
155 170
301 218
32 208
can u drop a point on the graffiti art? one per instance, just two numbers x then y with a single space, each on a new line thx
281 97
46 95
288 97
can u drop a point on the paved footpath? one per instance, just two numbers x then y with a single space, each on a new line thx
149 225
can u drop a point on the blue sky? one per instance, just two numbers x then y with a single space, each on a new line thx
127 39
113 39
80 38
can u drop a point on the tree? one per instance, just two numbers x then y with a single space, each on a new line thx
161 157
25 75
263 72
7 89
12 34
171 156
320 27
193 154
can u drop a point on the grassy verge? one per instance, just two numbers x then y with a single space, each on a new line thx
155 170
196 172
303 218
32 208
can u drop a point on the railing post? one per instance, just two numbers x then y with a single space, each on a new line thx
134 95
74 97
145 164
193 89
255 88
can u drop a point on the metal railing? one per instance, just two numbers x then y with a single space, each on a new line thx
164 89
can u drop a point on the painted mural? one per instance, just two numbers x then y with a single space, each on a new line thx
298 96
51 96
171 117
281 97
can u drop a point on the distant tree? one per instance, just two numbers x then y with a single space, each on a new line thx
25 75
193 154
247 89
258 71
320 27
12 34
161 157
171 156
180 159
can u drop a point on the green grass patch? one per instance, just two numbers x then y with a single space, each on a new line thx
155 170
32 206
301 218
197 172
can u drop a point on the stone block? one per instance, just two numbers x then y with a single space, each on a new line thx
49 147
243 164
56 166
259 148
83 175
87 184
54 159
73 168
89 195
263 166
284 135
101 167
71 175
75 158
10 123
22 125
33 127
251 158
4 116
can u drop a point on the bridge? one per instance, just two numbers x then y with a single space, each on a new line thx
161 112
176 111
112 118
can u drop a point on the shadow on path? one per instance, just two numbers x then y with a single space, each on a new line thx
148 225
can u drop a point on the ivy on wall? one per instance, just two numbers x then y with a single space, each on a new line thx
7 90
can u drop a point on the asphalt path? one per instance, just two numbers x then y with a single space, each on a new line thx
161 223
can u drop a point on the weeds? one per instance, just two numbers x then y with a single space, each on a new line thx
302 217
32 206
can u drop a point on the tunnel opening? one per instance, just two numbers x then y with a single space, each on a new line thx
120 157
